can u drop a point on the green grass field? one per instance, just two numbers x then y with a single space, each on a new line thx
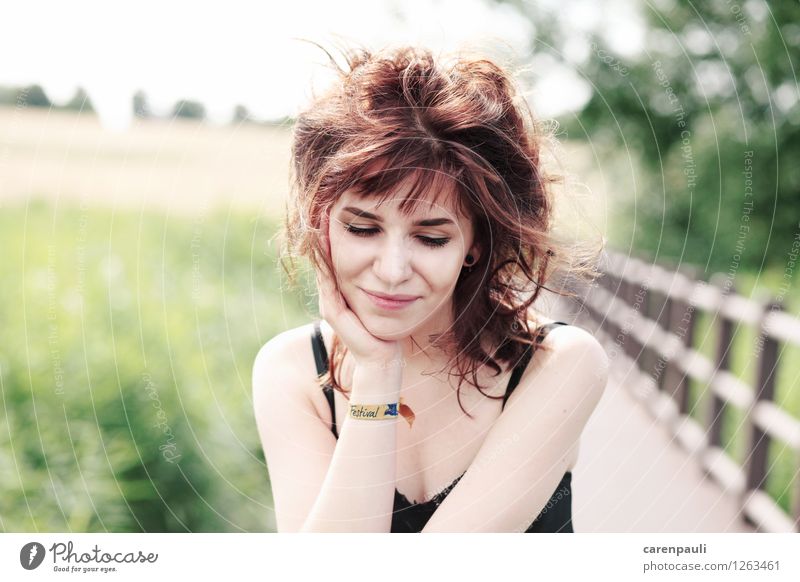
128 342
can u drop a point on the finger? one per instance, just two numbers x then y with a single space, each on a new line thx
331 290
331 299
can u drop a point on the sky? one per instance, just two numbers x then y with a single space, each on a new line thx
250 53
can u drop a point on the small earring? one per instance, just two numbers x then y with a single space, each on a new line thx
470 260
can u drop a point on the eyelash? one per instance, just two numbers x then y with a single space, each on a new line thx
427 241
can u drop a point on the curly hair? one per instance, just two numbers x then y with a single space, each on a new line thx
401 114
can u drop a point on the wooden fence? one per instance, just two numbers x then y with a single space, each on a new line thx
650 312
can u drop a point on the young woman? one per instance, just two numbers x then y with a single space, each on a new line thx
420 200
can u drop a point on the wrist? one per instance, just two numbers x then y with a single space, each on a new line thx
375 396
381 363
376 384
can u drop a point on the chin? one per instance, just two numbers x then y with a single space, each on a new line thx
395 327
387 328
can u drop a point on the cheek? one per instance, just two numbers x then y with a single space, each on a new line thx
351 258
335 241
342 250
442 269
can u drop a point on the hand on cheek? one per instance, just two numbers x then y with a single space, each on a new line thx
327 247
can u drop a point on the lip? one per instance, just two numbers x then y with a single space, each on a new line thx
390 301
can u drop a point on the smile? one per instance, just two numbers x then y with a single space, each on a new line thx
392 304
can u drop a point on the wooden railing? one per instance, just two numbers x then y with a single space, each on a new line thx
649 313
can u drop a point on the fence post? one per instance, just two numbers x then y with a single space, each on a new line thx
724 340
615 285
645 297
659 308
631 347
681 323
767 352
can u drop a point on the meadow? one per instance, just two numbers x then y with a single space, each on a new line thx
128 342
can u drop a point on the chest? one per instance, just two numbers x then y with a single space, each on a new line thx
442 443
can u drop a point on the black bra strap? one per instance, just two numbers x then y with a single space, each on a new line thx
321 361
526 357
329 395
320 353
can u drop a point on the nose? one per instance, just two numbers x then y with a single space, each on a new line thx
392 265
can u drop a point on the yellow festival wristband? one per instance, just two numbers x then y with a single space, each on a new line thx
373 411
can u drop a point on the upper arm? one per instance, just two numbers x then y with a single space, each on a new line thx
526 452
297 445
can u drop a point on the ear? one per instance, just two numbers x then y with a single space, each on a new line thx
475 251
476 246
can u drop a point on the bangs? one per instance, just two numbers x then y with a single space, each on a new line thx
415 187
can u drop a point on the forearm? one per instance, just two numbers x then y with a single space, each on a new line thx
357 494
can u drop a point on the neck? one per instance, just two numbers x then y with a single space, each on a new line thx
419 352
421 356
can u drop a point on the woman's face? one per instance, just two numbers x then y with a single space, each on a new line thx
379 250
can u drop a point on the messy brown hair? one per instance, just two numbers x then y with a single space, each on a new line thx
424 119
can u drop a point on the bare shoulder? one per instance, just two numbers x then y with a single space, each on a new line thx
571 351
286 363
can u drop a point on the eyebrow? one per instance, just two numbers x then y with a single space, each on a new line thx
368 215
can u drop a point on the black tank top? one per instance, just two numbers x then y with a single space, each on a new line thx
555 517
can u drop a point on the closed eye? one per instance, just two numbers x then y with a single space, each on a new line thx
426 240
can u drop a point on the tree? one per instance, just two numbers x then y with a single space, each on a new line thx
33 96
711 106
189 109
240 114
80 102
141 107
